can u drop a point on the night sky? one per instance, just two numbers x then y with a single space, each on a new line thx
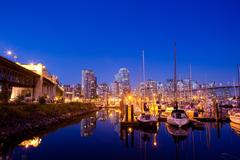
68 36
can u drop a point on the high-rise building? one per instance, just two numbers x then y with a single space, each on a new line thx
114 89
149 89
102 91
89 84
123 78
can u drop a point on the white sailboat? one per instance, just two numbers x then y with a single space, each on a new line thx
146 118
177 117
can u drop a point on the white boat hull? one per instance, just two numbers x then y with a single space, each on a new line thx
178 132
177 122
151 120
235 119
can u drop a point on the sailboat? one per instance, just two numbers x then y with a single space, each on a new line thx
146 118
177 117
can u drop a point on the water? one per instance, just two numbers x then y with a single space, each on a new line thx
99 136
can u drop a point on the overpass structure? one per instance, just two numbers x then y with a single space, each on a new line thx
29 80
219 87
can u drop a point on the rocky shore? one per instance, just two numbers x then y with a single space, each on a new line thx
15 123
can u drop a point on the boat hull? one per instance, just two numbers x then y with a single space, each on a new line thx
147 122
234 119
177 122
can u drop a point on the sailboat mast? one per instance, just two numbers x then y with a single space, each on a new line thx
190 82
238 70
235 89
175 75
144 76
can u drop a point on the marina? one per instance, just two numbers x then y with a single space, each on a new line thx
111 140
120 80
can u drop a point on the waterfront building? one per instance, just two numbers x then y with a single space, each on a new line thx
114 89
78 91
89 84
123 78
68 93
102 90
72 93
149 89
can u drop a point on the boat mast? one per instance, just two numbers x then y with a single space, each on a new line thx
238 70
190 82
235 89
175 76
143 74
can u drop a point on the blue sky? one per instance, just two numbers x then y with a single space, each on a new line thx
103 35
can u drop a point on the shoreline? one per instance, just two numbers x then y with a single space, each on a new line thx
23 128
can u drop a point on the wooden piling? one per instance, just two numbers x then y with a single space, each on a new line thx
132 112
126 109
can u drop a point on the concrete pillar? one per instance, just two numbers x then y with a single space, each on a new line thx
54 91
38 89
6 92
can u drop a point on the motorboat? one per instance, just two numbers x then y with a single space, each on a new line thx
178 118
233 111
235 127
147 119
234 115
177 132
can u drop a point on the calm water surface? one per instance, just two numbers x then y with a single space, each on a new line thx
99 136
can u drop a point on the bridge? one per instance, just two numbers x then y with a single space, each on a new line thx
219 87
30 80
218 91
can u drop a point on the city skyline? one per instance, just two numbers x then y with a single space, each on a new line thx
86 36
114 80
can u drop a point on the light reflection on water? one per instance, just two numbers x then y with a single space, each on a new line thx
100 136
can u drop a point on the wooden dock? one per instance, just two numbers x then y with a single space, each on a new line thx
129 124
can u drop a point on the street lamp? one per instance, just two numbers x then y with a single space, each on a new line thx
10 53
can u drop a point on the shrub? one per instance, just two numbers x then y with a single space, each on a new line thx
42 100
19 99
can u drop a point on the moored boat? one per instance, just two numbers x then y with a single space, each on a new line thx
234 116
235 127
177 132
178 118
147 119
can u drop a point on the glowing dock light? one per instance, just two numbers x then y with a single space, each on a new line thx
130 97
35 142
130 130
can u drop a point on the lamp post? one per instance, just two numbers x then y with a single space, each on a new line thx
11 54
